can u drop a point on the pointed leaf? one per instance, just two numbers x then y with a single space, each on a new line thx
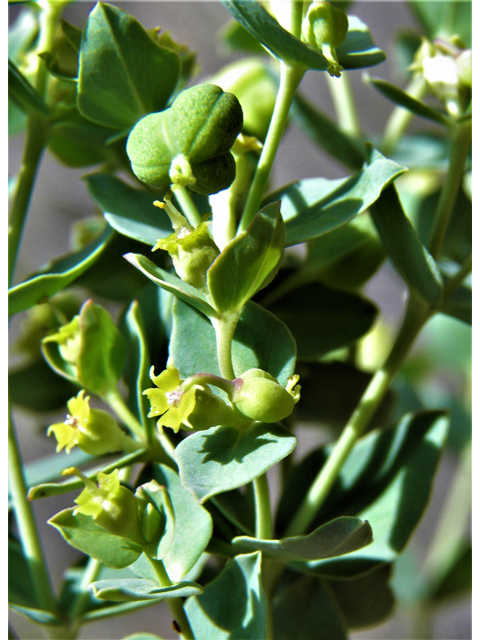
56 275
358 50
40 616
323 319
335 538
132 590
224 458
315 206
233 605
172 283
260 341
124 74
411 259
129 211
249 262
403 99
84 534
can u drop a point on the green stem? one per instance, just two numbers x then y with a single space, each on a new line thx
401 117
33 151
174 604
290 78
91 573
263 512
224 329
456 281
187 205
344 103
415 317
461 139
117 403
26 524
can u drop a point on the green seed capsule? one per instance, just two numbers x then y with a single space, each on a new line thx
260 397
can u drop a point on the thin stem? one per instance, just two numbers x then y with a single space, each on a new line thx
290 78
224 329
187 205
263 512
117 403
416 315
401 117
461 139
26 524
91 573
344 103
456 281
174 604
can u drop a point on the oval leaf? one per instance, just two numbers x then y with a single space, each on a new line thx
224 458
249 262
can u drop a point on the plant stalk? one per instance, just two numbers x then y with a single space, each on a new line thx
224 329
263 512
344 103
461 139
187 205
117 403
174 604
290 78
415 317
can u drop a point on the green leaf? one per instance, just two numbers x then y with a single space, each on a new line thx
143 636
56 276
21 590
172 283
124 74
403 99
132 590
326 134
322 319
458 579
282 44
137 366
77 142
46 391
224 458
101 358
366 600
40 616
411 259
84 534
234 36
233 605
62 59
129 211
193 525
335 538
315 206
306 609
261 341
358 50
380 483
23 94
459 303
249 262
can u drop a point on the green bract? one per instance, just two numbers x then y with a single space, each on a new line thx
189 143
259 396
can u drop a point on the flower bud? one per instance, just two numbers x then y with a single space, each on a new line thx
325 28
68 339
112 506
260 397
192 249
94 431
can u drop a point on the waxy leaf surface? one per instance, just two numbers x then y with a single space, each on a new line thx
123 73
261 341
315 206
224 458
243 614
131 590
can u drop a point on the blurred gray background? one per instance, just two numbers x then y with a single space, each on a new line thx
61 198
